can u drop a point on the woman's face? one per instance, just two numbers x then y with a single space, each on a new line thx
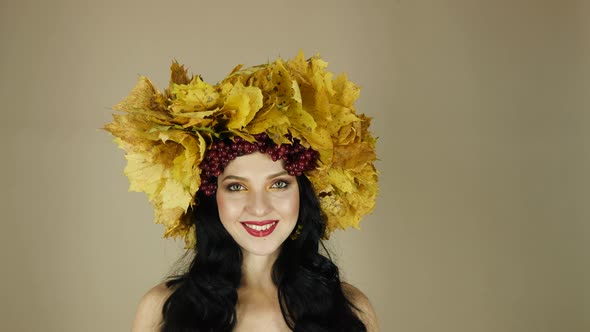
258 202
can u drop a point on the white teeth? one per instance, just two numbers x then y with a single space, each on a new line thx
260 228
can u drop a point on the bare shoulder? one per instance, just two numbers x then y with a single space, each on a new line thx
149 311
364 308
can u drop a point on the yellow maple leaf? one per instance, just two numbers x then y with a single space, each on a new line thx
341 117
197 96
274 122
346 92
175 195
341 179
144 175
141 97
165 136
242 103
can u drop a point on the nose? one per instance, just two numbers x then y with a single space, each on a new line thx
258 203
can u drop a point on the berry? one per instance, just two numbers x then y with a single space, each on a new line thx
297 159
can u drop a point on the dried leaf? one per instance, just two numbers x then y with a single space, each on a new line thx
165 136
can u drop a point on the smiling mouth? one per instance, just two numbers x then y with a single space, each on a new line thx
260 228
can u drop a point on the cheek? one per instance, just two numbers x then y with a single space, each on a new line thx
289 206
229 210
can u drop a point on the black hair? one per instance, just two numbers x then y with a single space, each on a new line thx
309 288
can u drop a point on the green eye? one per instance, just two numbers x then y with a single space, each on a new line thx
235 187
280 184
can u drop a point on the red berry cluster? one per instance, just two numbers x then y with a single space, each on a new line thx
296 158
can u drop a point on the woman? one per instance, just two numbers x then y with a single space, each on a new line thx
252 173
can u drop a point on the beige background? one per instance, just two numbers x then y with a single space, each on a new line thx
482 109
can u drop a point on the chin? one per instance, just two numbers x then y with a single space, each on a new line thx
270 251
262 246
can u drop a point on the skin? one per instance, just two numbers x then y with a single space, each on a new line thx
254 188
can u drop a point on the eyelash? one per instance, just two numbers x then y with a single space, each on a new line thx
285 185
232 187
238 187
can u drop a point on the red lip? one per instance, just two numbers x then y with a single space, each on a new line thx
260 233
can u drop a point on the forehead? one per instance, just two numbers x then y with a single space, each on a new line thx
256 163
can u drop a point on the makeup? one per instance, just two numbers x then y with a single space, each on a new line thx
260 228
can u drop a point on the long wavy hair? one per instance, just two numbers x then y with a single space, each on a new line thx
310 294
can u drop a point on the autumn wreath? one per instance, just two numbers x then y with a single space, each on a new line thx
165 135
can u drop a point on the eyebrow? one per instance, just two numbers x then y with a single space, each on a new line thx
239 178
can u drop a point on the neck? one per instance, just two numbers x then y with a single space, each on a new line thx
257 270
